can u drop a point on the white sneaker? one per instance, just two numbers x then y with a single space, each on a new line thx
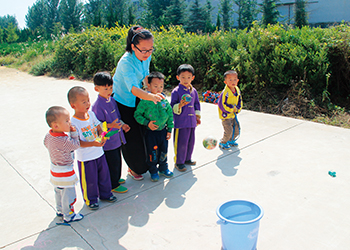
75 217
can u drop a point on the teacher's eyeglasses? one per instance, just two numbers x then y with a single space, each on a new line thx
145 51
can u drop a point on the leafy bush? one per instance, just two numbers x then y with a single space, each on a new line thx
279 67
7 60
25 53
43 67
90 51
269 61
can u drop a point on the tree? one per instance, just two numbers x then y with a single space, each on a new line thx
57 30
155 11
218 22
36 15
196 20
10 33
1 35
174 13
270 12
70 12
300 16
115 12
93 13
209 27
52 15
42 17
247 13
131 15
6 20
25 35
226 13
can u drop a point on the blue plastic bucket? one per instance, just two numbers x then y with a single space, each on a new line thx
239 222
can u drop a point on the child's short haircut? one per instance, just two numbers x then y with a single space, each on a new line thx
230 72
103 79
184 68
73 92
53 113
155 74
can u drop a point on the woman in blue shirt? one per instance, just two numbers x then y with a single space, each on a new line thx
131 71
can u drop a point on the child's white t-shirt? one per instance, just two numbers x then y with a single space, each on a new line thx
87 130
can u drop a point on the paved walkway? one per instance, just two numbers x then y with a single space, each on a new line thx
281 163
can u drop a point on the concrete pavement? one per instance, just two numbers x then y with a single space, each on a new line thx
281 163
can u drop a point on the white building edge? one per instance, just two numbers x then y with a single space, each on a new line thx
320 12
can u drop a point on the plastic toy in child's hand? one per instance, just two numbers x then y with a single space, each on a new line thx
106 133
186 98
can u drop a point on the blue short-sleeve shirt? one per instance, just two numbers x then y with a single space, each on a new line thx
130 72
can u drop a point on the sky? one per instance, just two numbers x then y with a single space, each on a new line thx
18 8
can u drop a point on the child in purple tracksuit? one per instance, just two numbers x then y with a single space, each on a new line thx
106 110
186 116
93 168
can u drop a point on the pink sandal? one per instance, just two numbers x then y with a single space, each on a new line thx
135 176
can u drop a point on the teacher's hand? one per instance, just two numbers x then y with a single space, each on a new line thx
157 97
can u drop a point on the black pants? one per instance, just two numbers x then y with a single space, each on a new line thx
114 161
134 151
157 150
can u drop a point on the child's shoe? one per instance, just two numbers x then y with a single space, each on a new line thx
233 143
155 177
190 162
75 217
121 181
135 176
180 167
167 173
111 199
94 206
225 146
120 189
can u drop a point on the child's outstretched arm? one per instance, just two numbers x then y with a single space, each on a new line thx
115 124
146 96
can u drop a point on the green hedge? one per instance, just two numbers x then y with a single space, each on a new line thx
86 53
270 61
308 66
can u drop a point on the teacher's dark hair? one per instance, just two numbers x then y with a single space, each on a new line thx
135 34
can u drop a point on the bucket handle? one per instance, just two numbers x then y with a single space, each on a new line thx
221 222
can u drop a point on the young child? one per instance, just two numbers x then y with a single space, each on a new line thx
229 105
94 174
186 116
106 110
61 149
159 121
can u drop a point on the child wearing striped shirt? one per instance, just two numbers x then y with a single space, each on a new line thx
61 149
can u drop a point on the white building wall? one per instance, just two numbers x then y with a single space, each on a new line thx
319 11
